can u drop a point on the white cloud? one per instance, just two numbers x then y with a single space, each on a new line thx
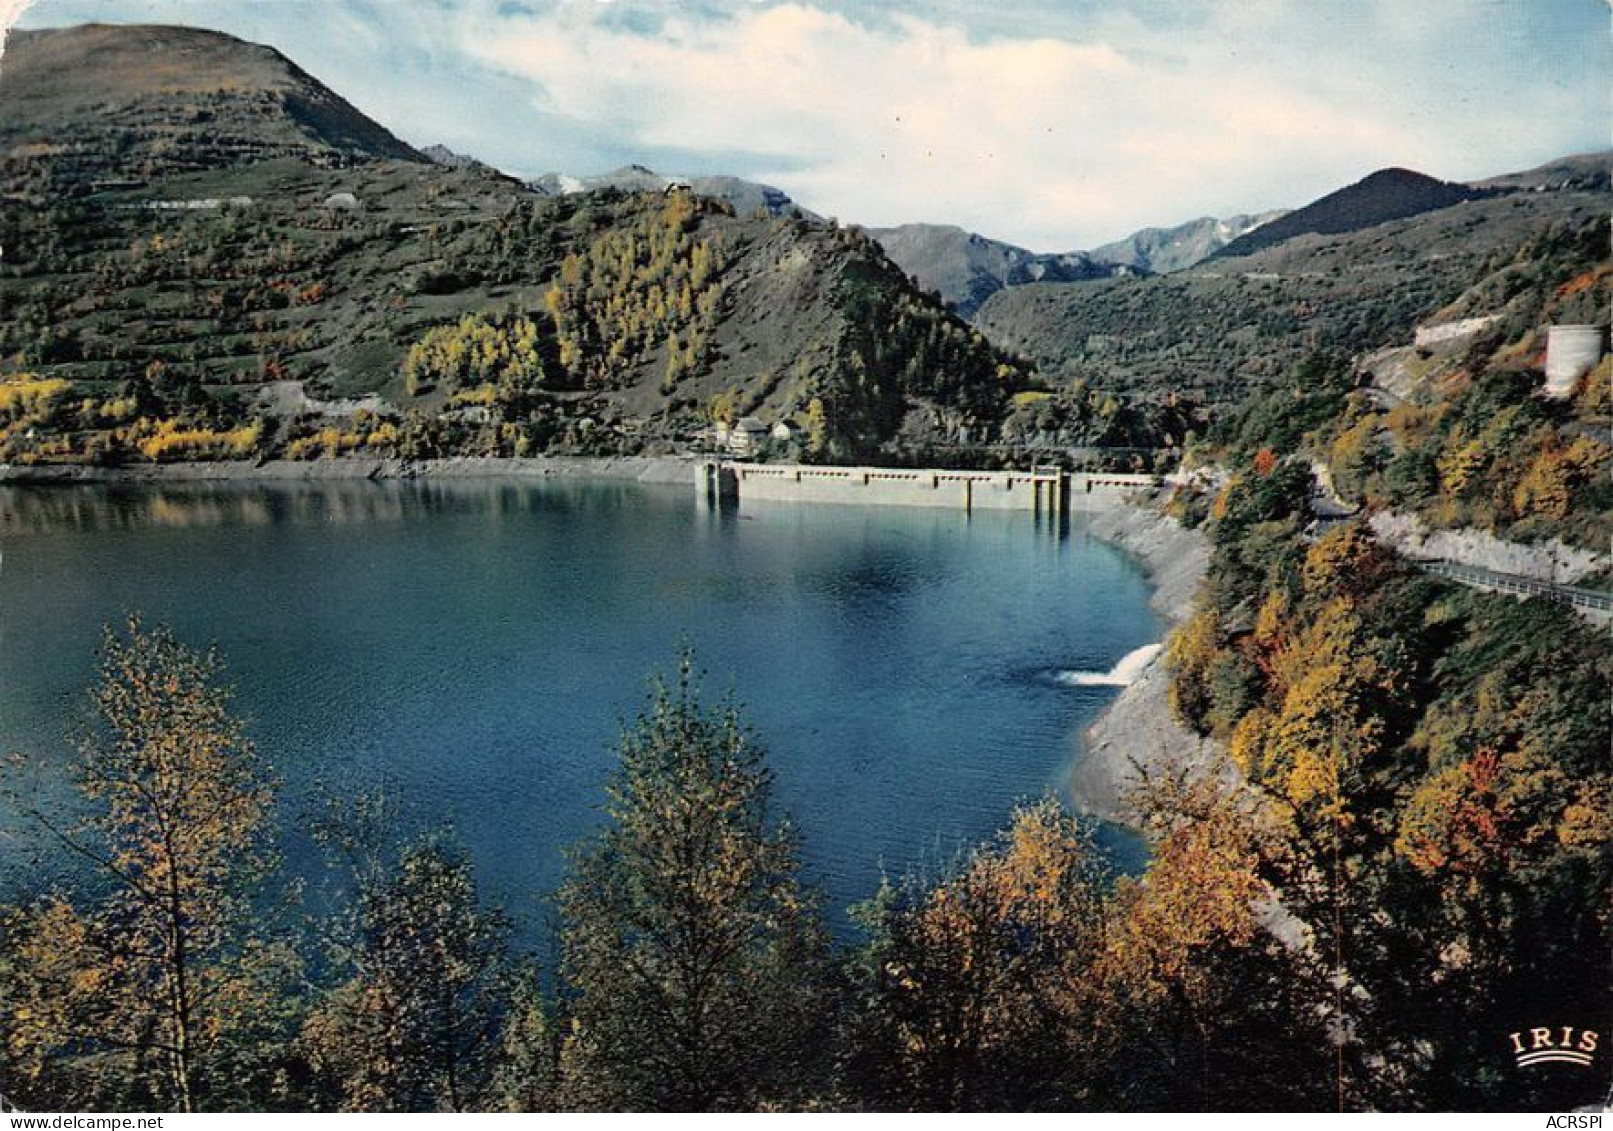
10 12
1053 142
1052 123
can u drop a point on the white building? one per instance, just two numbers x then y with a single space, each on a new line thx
1571 352
745 436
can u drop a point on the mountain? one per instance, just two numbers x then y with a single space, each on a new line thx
1215 330
748 198
265 262
1587 171
1388 194
1159 251
136 102
448 159
966 269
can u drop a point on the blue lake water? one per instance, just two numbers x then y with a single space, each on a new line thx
476 646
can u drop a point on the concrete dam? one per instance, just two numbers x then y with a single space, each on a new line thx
1043 491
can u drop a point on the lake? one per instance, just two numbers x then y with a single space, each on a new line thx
475 646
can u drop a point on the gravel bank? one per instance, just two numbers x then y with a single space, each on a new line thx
1138 730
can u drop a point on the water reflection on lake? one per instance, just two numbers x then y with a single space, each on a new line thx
475 645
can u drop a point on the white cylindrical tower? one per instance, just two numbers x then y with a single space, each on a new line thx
1571 352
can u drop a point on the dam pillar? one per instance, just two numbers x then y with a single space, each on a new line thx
1051 490
1061 493
719 485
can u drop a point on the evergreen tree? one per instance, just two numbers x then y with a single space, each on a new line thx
693 958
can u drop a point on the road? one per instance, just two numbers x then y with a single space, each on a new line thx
1480 578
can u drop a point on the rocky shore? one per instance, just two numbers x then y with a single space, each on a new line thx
1138 730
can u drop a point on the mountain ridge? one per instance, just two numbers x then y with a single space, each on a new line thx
966 268
131 101
1159 251
1234 322
1388 194
747 197
268 263
246 228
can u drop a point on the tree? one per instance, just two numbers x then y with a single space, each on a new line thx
150 981
1191 650
692 958
527 1077
1196 1003
817 428
967 987
415 1025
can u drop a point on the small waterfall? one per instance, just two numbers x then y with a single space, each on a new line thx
1123 674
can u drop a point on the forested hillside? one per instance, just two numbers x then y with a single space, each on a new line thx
1457 430
1432 762
167 295
249 268
1233 325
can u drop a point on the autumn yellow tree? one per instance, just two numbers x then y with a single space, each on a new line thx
967 984
1198 1000
147 981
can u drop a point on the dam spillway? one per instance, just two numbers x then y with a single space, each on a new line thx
1049 491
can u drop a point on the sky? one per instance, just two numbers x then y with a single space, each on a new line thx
1053 124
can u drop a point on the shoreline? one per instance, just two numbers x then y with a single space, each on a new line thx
642 469
1138 730
1137 726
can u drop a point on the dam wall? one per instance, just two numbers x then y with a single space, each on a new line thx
1041 491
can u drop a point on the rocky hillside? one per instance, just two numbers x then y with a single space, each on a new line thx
1589 172
98 103
1159 251
251 266
748 198
966 269
1453 430
1388 194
